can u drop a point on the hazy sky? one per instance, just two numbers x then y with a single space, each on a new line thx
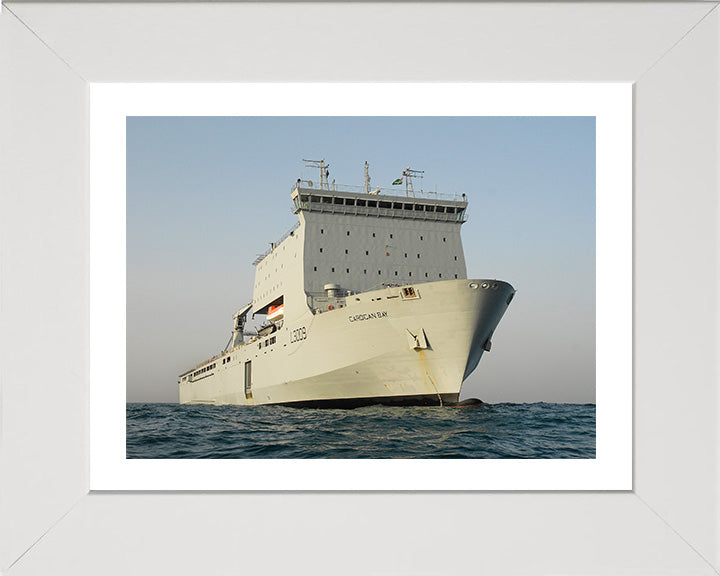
206 195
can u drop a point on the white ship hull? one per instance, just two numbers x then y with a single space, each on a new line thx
379 348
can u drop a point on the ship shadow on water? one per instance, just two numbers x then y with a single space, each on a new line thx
461 431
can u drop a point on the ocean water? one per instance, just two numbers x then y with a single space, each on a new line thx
485 431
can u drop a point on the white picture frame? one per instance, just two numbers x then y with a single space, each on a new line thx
668 524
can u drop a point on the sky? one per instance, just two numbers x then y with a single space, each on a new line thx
205 195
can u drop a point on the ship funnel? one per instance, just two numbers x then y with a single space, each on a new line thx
332 290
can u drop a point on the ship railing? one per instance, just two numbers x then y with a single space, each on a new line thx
394 191
275 244
460 216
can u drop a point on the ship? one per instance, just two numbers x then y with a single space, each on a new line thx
365 300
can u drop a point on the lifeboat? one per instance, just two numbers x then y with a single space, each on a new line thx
275 313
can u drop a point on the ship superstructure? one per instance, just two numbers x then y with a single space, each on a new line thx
366 300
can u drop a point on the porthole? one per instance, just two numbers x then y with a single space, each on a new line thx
473 285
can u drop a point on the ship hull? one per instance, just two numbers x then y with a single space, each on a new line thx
382 348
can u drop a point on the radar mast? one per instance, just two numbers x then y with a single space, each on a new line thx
324 171
409 174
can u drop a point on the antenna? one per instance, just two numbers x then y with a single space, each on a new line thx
366 182
409 174
324 172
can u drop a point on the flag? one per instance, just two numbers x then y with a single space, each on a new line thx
398 181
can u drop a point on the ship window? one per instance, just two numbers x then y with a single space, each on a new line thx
379 272
440 275
408 206
444 238
303 198
409 273
347 270
405 254
346 251
314 268
455 258
418 255
440 209
395 272
390 235
337 200
425 274
421 237
385 204
364 271
397 205
322 231
366 253
314 199
418 207
373 234
348 232
429 208
372 203
455 275
320 250
332 269
361 202
326 200
349 201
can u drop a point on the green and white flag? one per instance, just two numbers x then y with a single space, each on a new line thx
398 181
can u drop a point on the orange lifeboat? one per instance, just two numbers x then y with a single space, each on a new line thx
276 312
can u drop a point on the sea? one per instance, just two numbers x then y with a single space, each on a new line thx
539 430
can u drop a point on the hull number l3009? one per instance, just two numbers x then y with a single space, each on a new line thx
298 334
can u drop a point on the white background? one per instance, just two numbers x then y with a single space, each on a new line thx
668 524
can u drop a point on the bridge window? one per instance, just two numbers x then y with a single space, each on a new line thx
385 204
372 203
361 202
337 200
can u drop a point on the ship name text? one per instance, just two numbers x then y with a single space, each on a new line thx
371 316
